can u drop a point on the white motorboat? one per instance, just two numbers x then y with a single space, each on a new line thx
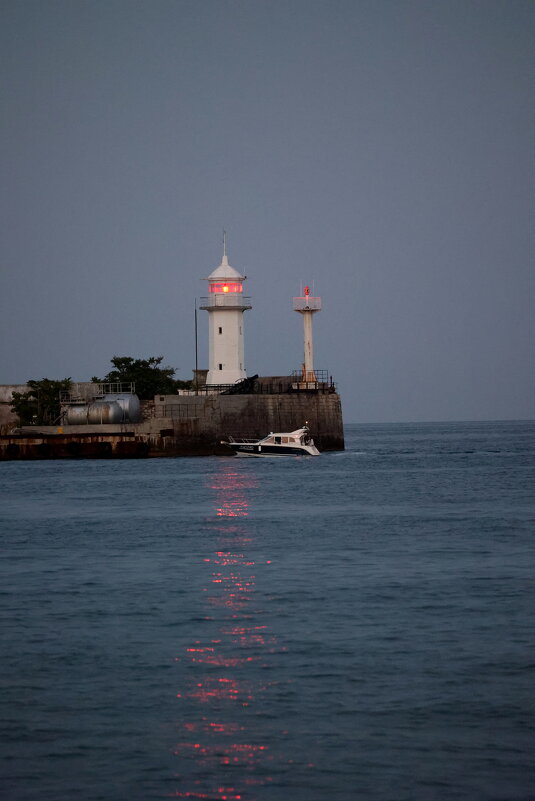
292 443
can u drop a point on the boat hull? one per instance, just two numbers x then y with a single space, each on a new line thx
267 450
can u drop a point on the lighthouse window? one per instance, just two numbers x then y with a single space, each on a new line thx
220 366
225 287
220 330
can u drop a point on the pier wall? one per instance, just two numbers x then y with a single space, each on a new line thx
7 419
214 417
176 425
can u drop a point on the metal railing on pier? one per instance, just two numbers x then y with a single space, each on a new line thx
176 411
86 391
320 382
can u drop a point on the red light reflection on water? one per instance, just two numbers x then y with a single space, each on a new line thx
210 726
223 793
238 754
214 740
219 689
230 486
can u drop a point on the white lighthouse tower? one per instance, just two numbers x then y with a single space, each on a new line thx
307 306
225 305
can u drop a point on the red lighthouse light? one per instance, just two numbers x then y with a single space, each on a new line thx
226 288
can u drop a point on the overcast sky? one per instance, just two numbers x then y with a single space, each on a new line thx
379 151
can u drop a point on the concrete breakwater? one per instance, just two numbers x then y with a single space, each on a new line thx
188 425
54 445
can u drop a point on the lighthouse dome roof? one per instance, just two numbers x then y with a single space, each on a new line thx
225 271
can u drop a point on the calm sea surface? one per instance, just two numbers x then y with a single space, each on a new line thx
353 626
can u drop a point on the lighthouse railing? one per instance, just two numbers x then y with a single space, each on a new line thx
230 301
307 303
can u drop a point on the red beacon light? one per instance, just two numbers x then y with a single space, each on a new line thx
226 288
307 291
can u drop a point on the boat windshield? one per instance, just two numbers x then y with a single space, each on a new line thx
280 439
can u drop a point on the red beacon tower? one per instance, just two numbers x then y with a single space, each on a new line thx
307 306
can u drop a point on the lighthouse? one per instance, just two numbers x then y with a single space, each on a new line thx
225 305
307 306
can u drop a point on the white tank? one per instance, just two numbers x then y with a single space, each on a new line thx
96 413
128 403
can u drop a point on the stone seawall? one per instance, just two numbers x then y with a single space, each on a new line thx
7 418
46 445
186 426
204 421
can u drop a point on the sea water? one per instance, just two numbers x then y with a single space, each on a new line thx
352 626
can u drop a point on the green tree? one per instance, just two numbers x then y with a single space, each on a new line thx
40 405
150 379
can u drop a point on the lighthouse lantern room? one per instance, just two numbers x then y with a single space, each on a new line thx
225 305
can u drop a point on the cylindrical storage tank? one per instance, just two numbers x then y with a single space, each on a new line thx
76 415
129 404
96 413
107 412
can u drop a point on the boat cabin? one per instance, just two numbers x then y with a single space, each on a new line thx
285 439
